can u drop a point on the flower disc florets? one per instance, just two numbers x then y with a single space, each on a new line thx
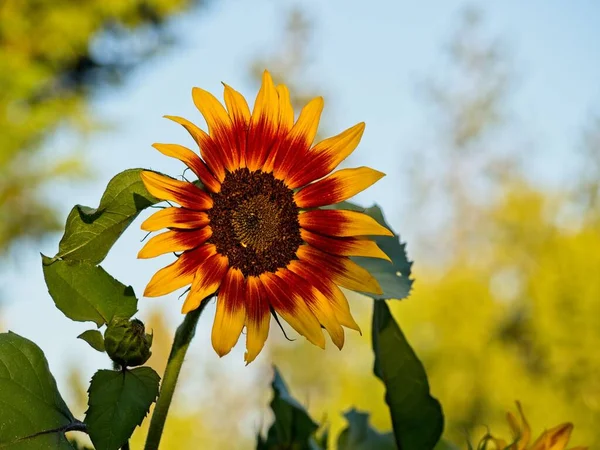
254 222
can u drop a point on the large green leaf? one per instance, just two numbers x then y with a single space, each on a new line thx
359 435
394 278
90 233
293 427
416 416
118 402
33 415
84 291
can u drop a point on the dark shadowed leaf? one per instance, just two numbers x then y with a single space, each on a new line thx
84 291
394 277
416 416
94 338
33 415
90 233
293 427
359 435
118 402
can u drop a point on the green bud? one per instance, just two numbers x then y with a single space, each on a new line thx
126 342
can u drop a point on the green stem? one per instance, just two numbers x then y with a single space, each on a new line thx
184 334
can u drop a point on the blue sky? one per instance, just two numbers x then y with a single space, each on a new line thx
369 58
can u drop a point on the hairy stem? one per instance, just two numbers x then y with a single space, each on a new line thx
184 334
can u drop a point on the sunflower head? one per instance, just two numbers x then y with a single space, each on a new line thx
251 229
555 438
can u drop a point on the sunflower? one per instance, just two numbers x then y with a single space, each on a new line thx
555 438
252 230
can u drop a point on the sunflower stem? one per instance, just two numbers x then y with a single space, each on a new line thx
183 336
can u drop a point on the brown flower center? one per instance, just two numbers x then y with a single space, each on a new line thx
254 221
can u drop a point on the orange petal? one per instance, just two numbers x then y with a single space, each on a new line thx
180 273
337 187
207 280
263 124
257 318
555 438
335 222
182 192
173 217
325 156
219 124
317 304
240 117
342 270
193 161
209 149
286 110
174 241
231 312
336 297
522 432
349 246
298 141
290 305
286 122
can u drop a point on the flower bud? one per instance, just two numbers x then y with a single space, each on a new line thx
126 342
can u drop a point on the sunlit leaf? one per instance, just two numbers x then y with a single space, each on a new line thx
293 427
416 416
394 278
118 402
90 233
359 435
86 292
94 338
33 415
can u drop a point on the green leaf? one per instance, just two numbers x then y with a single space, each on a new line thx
94 338
293 427
118 402
90 233
33 415
359 435
416 416
446 445
394 277
84 291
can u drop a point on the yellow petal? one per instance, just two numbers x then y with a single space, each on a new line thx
193 161
326 156
213 111
173 217
285 299
182 192
337 187
556 438
257 319
231 313
180 273
333 222
343 271
307 124
174 241
207 280
286 111
237 106
329 289
350 246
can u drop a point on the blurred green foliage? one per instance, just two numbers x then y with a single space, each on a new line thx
53 53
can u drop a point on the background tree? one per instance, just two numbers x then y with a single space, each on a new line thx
53 56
